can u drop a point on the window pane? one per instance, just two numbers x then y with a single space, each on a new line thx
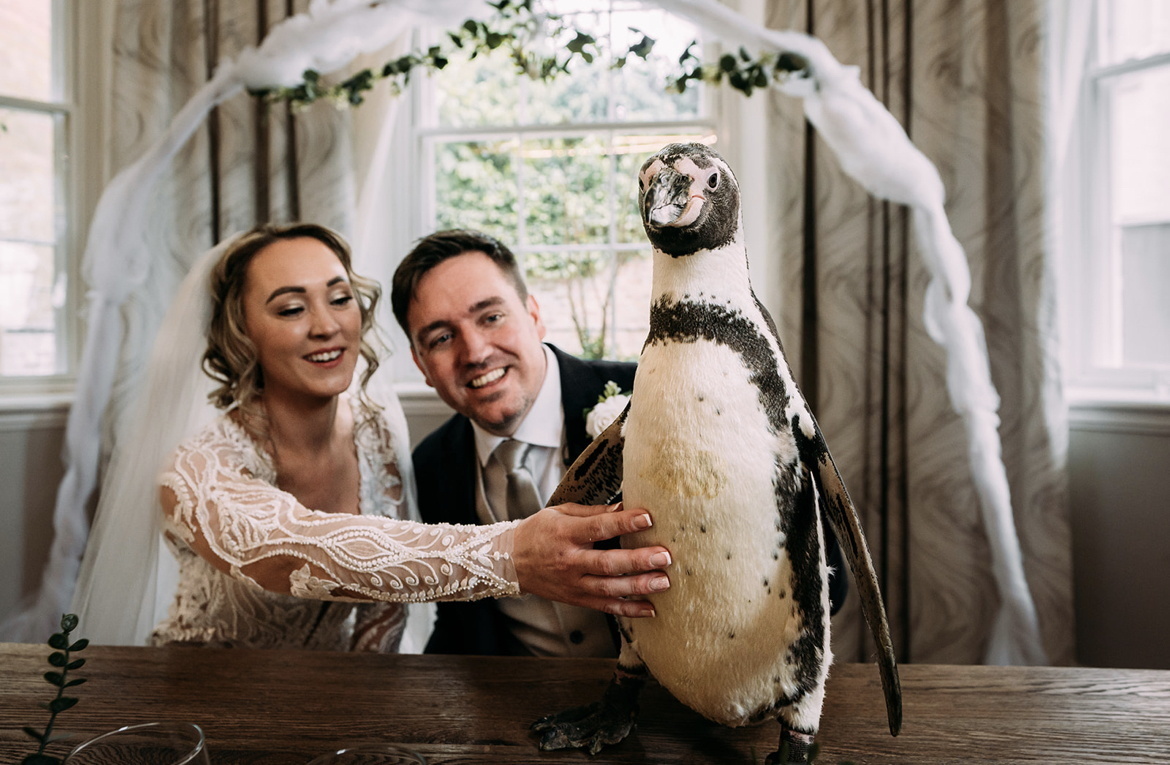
566 190
27 337
1139 117
27 176
1134 29
487 91
475 187
640 86
581 95
26 45
632 313
482 91
1145 311
594 303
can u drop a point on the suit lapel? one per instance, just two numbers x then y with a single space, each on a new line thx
580 387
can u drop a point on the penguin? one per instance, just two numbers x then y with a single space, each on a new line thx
718 443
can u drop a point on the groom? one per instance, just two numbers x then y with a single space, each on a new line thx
476 335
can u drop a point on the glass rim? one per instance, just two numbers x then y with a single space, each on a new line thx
199 744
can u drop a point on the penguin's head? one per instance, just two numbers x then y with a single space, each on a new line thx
689 199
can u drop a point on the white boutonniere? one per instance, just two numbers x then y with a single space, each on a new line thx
609 405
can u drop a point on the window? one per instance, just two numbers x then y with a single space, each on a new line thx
550 168
34 136
1118 323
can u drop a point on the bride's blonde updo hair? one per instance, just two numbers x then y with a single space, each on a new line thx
231 358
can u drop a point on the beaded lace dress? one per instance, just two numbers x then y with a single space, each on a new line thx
274 573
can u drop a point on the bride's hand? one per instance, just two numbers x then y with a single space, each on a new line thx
554 557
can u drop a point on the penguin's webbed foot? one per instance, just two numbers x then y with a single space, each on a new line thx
796 748
595 725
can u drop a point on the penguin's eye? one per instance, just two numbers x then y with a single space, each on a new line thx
713 181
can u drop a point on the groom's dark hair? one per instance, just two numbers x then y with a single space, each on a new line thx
432 250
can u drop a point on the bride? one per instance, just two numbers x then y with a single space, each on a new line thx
288 514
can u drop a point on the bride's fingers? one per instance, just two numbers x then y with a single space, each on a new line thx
620 563
633 609
595 523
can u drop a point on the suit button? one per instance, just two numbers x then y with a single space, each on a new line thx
577 637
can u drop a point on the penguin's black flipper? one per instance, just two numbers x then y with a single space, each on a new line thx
595 477
842 515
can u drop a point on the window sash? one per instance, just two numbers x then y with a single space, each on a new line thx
1096 369
65 268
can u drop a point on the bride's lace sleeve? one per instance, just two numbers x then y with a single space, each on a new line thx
253 531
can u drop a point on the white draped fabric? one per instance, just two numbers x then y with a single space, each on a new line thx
868 142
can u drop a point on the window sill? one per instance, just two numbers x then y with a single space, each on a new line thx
418 398
21 412
1119 415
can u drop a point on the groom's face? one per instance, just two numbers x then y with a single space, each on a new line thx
477 342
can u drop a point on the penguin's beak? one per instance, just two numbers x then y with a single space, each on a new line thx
668 200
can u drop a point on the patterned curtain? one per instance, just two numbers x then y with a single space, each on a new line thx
965 79
249 163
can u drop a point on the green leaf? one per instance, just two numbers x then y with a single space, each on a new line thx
34 733
75 664
80 645
642 49
62 703
727 62
75 681
791 62
68 622
58 659
55 678
471 25
59 641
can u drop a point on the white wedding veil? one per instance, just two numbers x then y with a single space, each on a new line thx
128 577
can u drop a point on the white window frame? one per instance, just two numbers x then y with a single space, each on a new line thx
32 393
1091 283
716 116
741 124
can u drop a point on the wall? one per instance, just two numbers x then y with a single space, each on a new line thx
30 469
1119 485
1120 507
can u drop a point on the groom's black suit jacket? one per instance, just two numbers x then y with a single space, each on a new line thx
445 469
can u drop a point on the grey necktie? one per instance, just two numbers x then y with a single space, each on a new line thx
509 486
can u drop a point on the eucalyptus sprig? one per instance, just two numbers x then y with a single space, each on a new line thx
59 678
519 28
523 31
744 72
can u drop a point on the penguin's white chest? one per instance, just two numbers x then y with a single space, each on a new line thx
702 456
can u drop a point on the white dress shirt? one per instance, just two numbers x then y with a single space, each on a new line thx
545 627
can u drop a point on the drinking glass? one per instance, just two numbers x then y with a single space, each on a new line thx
157 743
372 754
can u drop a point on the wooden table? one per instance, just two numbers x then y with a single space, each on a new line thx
288 706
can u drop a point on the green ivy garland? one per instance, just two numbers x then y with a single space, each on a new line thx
516 24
